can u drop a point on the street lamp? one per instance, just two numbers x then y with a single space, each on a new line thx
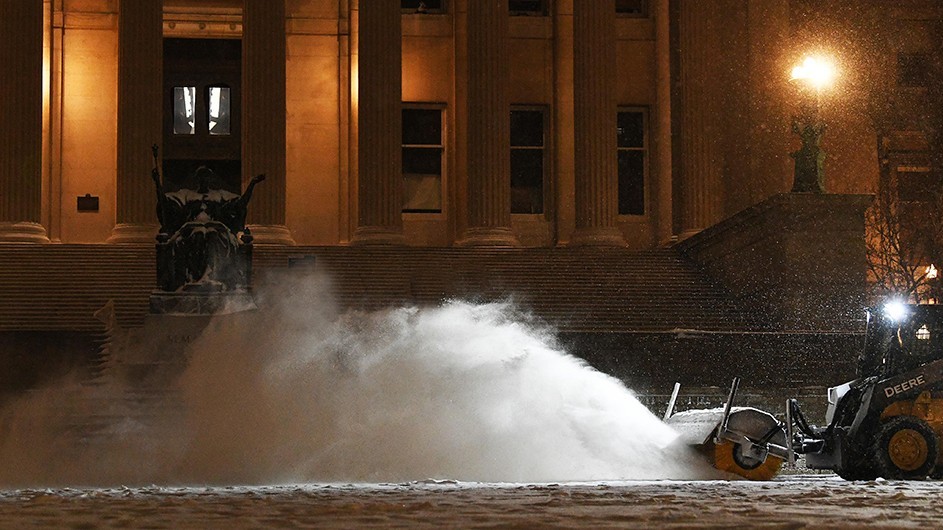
811 77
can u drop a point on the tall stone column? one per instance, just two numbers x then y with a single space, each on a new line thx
594 116
21 121
489 127
701 158
379 129
263 119
661 119
140 85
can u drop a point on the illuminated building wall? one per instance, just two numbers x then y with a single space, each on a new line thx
698 91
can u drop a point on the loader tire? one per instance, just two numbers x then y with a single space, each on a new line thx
857 460
727 458
857 471
905 448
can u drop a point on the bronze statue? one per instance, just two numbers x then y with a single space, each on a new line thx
203 243
809 176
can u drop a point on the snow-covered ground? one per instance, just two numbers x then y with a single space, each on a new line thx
797 501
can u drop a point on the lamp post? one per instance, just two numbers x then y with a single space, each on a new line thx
811 77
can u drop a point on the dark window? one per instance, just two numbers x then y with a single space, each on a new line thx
422 6
632 8
632 154
918 186
422 160
913 70
527 161
528 7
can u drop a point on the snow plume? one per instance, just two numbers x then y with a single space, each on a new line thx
296 392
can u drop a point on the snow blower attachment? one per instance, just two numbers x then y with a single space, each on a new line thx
740 440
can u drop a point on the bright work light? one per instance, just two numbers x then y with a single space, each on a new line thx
895 310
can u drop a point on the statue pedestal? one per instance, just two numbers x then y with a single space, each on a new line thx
137 384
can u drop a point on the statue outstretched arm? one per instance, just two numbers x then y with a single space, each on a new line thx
248 194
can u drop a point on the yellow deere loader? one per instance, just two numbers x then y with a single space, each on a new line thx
886 423
889 421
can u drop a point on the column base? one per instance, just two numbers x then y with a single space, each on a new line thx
489 237
604 236
23 232
377 235
133 234
271 235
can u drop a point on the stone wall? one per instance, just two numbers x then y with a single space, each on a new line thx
30 359
798 257
655 361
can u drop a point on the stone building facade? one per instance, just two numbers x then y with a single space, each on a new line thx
447 123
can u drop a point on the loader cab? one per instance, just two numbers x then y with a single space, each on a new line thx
901 337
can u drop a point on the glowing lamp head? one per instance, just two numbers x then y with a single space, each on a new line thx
895 310
815 72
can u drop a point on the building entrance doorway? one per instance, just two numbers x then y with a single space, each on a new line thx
201 125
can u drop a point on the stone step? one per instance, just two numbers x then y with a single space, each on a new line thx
60 286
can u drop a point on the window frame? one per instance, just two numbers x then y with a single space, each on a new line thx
545 158
645 149
443 162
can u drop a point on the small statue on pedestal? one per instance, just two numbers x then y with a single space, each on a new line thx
809 176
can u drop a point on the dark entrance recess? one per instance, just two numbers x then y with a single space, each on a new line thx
202 112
